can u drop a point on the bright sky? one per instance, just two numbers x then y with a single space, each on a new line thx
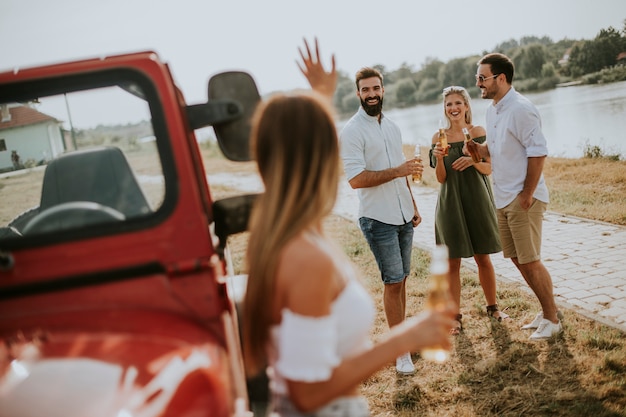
199 38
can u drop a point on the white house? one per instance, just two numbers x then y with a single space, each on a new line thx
34 135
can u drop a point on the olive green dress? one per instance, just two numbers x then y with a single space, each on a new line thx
465 217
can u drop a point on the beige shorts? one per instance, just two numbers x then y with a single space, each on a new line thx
520 230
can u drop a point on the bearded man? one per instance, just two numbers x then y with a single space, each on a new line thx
374 164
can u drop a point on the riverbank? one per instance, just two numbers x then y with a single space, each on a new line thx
573 118
591 188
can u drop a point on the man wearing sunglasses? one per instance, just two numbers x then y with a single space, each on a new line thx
518 149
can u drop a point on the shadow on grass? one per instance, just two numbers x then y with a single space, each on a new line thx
526 378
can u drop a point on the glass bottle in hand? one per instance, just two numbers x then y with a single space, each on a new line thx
438 297
417 178
443 138
471 146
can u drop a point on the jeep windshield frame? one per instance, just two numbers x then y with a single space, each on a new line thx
125 81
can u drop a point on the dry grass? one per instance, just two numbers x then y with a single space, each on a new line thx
495 370
589 188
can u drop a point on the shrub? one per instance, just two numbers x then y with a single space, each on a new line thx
595 152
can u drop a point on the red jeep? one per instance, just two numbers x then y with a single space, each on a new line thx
114 297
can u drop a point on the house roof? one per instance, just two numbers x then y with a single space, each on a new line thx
24 116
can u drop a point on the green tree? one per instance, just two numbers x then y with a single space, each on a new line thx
532 60
405 71
549 77
429 90
349 104
531 40
345 88
459 71
578 63
430 69
591 56
609 43
506 46
405 92
453 73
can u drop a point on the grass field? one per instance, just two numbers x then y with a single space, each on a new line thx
494 369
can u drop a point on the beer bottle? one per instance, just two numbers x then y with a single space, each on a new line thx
438 297
417 178
471 146
443 138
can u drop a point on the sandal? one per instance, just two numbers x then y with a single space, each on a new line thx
458 328
492 309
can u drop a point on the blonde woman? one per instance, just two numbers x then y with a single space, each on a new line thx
306 316
465 217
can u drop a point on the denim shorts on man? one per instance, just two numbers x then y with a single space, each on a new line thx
520 230
391 246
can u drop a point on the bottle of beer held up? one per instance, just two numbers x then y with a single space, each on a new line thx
417 178
443 138
438 297
471 146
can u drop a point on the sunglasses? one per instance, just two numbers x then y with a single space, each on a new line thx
482 78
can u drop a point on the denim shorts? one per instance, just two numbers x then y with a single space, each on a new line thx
391 246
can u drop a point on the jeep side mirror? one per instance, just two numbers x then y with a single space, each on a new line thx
233 97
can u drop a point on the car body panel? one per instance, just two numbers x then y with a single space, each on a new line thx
128 316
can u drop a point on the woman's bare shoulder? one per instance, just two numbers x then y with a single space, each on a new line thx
478 131
307 277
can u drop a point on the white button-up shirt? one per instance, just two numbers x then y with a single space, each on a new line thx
372 146
513 135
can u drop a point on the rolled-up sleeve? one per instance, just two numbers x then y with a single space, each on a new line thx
528 126
352 154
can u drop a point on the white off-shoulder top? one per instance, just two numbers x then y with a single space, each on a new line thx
307 349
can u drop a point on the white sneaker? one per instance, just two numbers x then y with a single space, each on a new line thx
546 330
404 365
537 321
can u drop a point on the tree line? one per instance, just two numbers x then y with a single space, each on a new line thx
540 64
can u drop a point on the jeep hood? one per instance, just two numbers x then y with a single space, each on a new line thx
72 374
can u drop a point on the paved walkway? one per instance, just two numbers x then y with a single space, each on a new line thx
587 259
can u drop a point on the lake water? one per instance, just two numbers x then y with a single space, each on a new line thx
571 117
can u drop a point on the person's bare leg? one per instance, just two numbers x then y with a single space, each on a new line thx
454 282
487 278
394 302
539 280
403 298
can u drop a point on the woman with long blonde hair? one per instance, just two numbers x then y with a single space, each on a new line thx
306 317
465 216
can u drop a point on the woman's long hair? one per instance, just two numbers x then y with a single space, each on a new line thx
295 144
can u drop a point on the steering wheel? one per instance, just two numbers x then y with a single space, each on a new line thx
71 215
